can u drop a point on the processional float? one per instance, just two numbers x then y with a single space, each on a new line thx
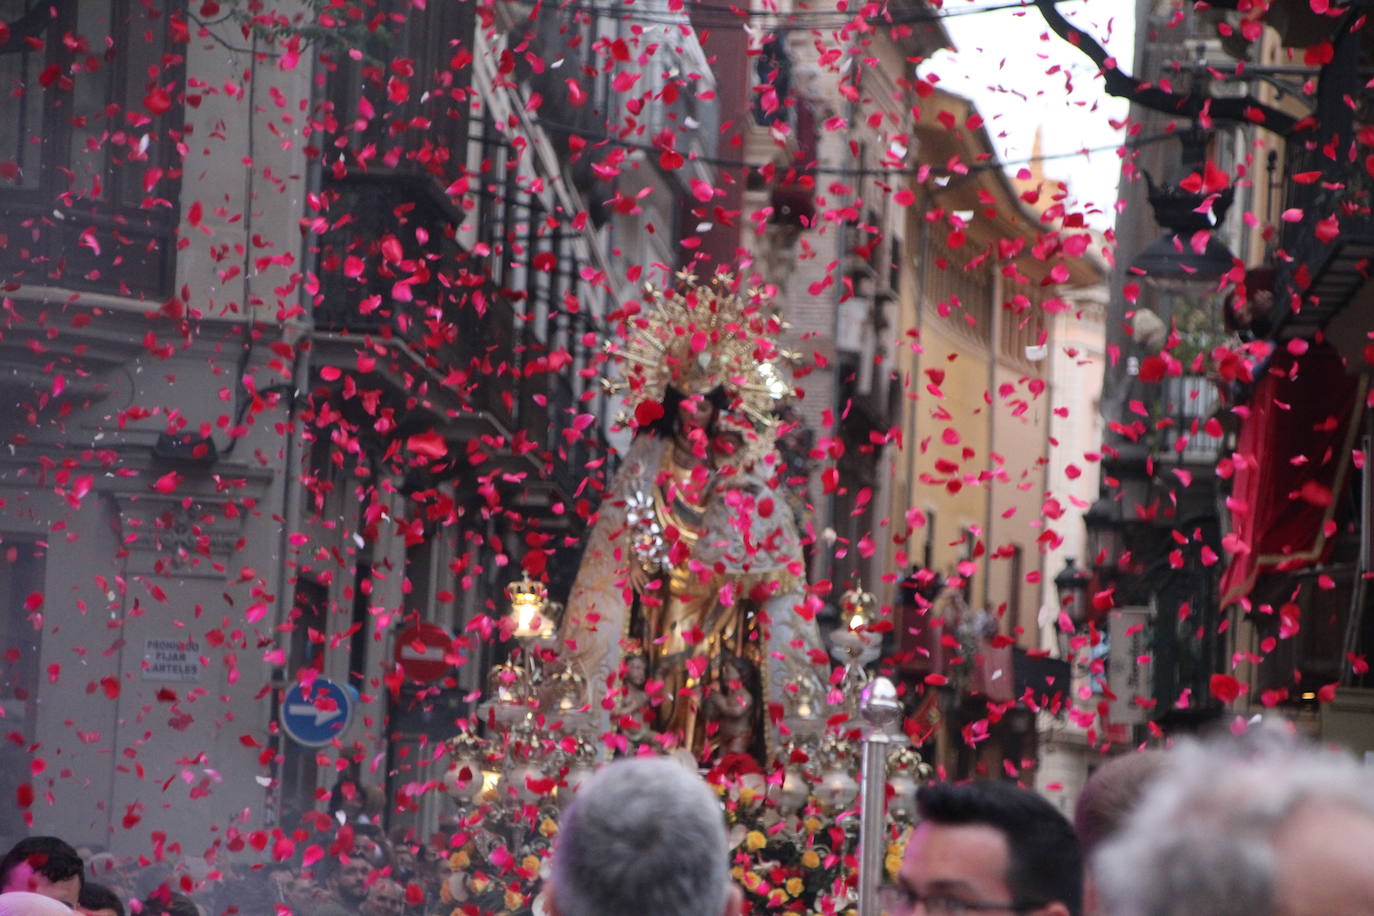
689 630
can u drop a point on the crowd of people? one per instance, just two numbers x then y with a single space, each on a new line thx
381 876
1261 823
1256 824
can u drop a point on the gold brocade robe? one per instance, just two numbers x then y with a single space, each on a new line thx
685 624
736 547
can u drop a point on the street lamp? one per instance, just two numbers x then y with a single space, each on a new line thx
1188 257
1072 585
1103 524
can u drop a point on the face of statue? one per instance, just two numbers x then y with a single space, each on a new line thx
695 412
636 671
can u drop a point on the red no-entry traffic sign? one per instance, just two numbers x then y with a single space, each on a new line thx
420 651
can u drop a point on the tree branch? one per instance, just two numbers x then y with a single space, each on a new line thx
30 25
1189 104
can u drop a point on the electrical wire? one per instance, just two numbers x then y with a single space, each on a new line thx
732 16
722 162
925 13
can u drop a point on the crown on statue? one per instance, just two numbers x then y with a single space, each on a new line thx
701 337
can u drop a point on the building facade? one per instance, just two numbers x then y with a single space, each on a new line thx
303 321
1234 538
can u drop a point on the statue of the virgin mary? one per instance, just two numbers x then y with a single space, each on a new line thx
695 554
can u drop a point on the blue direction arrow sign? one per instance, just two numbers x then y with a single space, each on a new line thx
317 718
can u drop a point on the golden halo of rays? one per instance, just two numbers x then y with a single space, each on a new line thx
699 336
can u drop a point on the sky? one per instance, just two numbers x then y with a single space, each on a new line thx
1023 77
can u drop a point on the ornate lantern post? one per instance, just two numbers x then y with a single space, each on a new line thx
854 642
528 601
881 711
1072 584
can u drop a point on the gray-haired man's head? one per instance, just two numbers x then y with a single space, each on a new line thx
1264 825
644 835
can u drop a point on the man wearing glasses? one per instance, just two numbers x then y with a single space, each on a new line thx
987 847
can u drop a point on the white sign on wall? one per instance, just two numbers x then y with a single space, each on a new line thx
1130 668
171 660
853 327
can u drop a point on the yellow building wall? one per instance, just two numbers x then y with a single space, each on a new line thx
1020 436
953 501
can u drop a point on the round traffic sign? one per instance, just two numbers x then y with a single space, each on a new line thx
315 715
422 651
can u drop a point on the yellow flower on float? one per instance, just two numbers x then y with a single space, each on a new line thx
747 795
751 881
514 899
548 827
459 859
737 873
811 859
479 884
893 860
794 886
530 864
755 841
812 824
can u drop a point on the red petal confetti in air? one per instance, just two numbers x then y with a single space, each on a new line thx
428 444
167 483
318 331
648 412
158 101
1225 687
1319 54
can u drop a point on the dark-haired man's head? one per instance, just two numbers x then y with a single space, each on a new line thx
43 865
989 846
347 881
99 900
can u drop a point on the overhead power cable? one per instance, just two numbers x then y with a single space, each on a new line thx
723 162
791 21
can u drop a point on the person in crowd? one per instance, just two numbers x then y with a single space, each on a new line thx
405 854
156 878
1111 794
110 871
43 865
164 902
27 903
303 896
1108 797
643 835
345 887
446 884
384 898
98 900
987 846
1261 824
278 877
248 892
